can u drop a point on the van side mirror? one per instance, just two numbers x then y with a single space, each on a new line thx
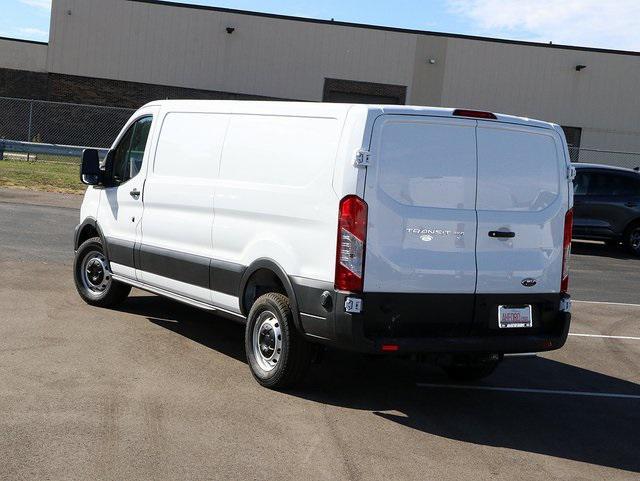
90 172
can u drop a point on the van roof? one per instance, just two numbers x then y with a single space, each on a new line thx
325 108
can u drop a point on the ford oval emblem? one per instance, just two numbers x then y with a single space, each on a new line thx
426 238
529 282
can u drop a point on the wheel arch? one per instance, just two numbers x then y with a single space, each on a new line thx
86 230
268 265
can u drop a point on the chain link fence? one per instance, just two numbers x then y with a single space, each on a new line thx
27 127
629 160
39 130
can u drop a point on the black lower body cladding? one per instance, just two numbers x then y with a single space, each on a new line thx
436 323
414 322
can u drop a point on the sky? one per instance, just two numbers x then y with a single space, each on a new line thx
613 24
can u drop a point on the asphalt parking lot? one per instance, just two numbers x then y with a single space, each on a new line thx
158 390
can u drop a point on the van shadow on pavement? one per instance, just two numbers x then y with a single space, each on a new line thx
597 430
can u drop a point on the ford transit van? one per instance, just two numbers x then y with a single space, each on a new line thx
379 229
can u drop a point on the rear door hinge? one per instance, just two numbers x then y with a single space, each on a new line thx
363 157
571 172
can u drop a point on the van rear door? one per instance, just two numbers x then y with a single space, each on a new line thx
421 192
522 201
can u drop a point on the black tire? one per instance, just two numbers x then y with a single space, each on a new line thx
632 238
272 312
471 370
109 293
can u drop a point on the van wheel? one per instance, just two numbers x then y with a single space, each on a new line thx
632 239
277 354
471 370
93 278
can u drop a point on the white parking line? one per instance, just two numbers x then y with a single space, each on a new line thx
606 337
530 391
606 303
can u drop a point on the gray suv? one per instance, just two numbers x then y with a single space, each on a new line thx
607 205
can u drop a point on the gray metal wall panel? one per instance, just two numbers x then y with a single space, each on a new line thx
18 55
186 47
543 83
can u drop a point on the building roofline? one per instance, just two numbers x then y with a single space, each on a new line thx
388 29
22 40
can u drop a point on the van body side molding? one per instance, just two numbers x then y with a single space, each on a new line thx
225 277
120 251
189 268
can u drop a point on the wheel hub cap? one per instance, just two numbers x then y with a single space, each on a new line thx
95 273
267 340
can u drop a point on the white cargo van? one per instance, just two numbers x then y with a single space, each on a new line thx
381 229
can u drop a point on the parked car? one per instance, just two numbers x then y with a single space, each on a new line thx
607 205
380 229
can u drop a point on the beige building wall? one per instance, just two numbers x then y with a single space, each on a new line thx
18 55
274 57
187 47
539 82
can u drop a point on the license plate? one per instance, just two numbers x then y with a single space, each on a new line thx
514 316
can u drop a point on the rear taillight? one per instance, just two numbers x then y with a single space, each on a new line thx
352 234
566 251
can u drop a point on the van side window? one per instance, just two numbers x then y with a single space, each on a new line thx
128 155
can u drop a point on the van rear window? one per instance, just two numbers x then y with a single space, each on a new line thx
425 163
518 169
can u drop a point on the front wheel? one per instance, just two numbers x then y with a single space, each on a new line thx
277 354
93 277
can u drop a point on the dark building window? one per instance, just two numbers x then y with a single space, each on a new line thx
573 135
353 92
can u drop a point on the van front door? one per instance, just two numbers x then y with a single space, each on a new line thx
121 205
421 193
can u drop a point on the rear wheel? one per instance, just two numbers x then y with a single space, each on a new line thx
471 369
632 239
277 354
93 278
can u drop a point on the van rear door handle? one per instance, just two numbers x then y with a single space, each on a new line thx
500 234
135 193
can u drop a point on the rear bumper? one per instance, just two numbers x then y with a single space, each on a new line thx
418 323
480 344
